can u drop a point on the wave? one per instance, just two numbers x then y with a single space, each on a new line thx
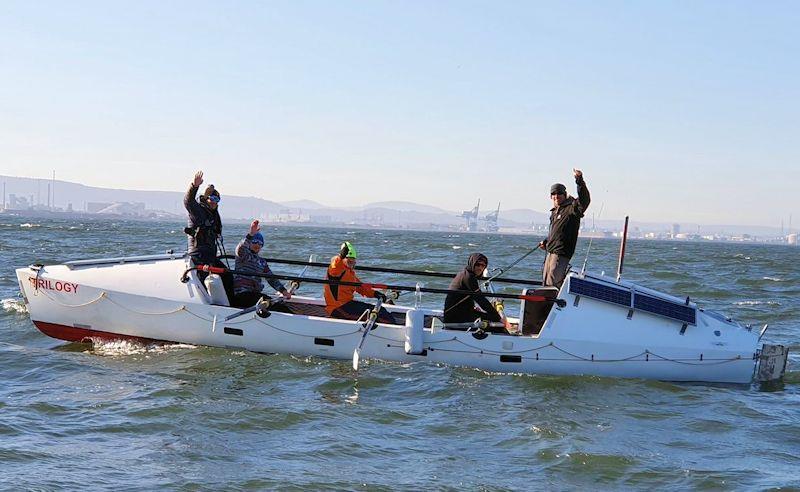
13 305
774 279
112 348
28 224
757 303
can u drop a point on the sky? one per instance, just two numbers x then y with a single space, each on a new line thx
675 110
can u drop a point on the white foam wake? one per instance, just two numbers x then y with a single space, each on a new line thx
757 303
112 348
13 305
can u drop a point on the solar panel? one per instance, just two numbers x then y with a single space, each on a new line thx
669 309
643 302
601 292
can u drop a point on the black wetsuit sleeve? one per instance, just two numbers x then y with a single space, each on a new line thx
583 196
190 203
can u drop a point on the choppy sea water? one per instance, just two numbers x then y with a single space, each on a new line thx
131 417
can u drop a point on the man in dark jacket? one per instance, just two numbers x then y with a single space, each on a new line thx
565 220
460 308
205 225
205 228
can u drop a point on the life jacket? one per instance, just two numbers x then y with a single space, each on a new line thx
337 295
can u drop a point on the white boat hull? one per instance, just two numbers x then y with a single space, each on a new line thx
114 300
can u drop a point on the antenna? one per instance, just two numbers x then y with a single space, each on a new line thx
585 260
622 249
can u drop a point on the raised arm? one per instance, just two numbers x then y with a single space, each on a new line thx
189 200
243 248
583 192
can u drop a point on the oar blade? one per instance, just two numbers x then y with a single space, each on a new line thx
356 356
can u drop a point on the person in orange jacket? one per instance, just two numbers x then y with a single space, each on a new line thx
339 302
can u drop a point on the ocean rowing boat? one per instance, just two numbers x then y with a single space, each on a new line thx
593 325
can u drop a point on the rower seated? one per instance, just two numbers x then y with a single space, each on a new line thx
460 308
247 288
339 302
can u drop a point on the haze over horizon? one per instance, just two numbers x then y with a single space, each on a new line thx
682 112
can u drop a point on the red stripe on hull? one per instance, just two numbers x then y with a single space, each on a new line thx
73 334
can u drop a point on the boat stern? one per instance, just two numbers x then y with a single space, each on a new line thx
772 360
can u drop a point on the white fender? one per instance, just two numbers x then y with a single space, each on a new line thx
415 324
216 290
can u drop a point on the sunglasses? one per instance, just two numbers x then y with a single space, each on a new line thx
214 198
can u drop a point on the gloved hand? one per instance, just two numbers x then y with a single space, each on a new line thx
343 250
380 296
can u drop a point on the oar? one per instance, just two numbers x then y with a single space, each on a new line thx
420 273
373 318
368 326
295 284
213 269
477 324
509 267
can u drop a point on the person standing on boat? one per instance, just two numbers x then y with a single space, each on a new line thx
460 308
247 288
565 220
205 228
339 302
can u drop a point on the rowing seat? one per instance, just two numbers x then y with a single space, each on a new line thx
534 313
318 310
307 309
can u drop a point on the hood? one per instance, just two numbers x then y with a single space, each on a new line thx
476 258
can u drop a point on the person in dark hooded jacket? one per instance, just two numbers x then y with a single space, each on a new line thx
204 229
205 224
460 308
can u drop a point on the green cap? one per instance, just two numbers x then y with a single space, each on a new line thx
348 250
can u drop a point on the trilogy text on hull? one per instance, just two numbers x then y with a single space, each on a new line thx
43 283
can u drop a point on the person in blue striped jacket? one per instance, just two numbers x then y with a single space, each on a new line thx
246 288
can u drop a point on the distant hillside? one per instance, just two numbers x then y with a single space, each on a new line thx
169 201
387 213
409 207
304 204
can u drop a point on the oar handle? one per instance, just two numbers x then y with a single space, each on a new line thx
420 273
431 290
